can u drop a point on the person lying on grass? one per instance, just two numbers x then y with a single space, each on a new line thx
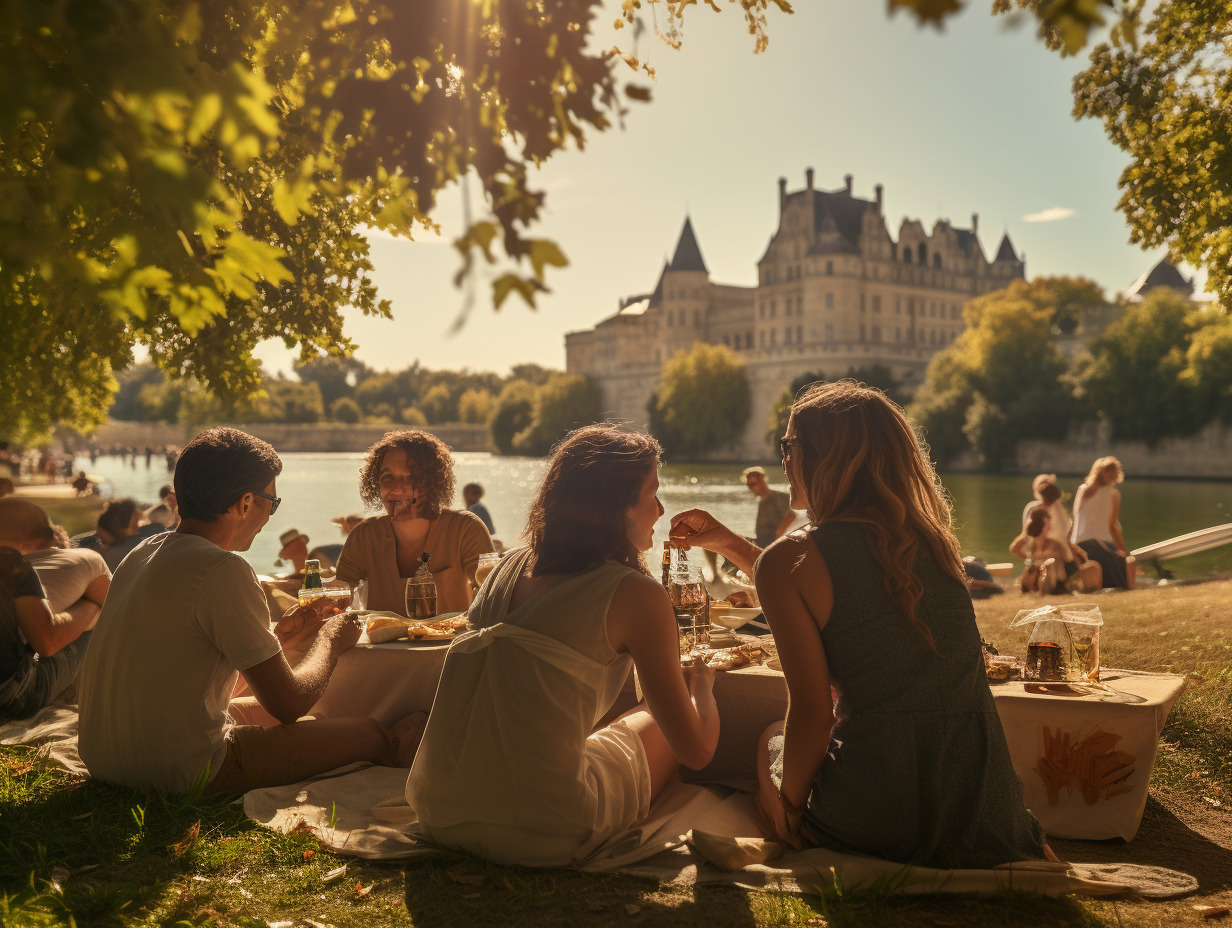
517 764
185 616
911 765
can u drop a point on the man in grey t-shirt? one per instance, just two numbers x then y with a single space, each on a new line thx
185 617
774 512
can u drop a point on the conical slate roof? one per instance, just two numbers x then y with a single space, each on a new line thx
1006 250
657 297
1163 274
688 256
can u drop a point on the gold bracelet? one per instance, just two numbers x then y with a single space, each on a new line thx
790 806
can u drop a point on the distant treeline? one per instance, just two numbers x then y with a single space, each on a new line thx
525 411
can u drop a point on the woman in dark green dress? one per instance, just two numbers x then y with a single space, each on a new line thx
910 763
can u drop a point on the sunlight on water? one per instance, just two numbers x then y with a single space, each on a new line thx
315 487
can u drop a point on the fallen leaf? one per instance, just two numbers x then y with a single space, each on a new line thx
631 909
308 854
1213 802
200 879
78 818
361 890
1211 911
472 879
18 770
333 874
509 886
190 838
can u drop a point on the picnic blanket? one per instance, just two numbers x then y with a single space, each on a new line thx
694 834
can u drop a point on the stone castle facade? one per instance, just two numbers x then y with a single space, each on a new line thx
835 291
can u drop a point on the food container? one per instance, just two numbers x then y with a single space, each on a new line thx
1063 644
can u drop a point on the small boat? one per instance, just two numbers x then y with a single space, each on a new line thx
1181 545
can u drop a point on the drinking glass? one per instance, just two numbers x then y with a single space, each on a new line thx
487 563
420 598
691 604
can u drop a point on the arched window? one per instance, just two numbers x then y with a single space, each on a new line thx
923 254
907 254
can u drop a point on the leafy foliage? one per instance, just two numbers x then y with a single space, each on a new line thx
703 401
564 403
513 414
1163 98
1003 379
1139 375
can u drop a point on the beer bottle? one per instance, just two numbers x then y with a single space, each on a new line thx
312 586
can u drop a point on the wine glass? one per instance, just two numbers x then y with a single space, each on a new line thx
487 563
691 603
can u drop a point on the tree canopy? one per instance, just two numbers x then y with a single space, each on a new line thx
703 400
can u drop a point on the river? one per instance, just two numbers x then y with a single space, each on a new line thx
315 487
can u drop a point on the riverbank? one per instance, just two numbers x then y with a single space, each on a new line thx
104 855
322 436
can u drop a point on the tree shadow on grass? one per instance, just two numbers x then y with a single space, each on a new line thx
463 890
1163 840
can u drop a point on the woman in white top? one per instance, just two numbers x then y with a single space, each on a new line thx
1097 528
513 765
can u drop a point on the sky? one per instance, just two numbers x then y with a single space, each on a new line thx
972 119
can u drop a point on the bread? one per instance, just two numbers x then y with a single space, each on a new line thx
385 628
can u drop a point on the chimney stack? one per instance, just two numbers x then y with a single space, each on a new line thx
808 177
812 205
878 190
847 179
782 195
975 222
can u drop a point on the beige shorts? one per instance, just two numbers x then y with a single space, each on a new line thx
258 757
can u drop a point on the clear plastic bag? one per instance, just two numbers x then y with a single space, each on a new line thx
1063 644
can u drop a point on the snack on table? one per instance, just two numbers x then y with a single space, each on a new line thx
386 628
730 658
442 629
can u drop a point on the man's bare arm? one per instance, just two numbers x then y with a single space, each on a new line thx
47 631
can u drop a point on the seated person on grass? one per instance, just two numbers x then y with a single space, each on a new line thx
67 574
185 617
41 651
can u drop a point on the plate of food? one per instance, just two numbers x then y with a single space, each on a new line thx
741 655
385 627
729 616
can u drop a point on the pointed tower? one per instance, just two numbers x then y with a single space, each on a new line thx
684 292
1163 274
1007 264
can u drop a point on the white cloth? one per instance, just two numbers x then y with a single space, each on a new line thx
1060 523
1093 513
182 617
66 572
508 767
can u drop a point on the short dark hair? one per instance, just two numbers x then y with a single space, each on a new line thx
431 465
473 489
1035 520
1049 494
164 491
217 468
580 516
116 517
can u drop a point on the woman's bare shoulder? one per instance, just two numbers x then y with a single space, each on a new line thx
786 554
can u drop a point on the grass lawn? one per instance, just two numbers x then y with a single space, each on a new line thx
74 851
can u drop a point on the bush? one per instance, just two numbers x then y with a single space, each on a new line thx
344 409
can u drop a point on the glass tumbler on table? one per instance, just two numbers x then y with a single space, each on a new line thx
487 563
691 604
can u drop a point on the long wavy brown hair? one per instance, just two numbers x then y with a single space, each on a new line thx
431 466
580 515
863 463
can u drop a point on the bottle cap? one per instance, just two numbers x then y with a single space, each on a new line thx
312 564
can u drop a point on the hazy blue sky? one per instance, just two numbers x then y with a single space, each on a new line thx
972 119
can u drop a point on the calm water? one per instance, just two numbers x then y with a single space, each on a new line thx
316 487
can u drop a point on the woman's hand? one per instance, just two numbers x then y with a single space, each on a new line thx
696 527
699 677
744 599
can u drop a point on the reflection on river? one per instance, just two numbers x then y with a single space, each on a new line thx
315 487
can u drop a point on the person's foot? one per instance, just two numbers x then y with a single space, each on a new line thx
405 736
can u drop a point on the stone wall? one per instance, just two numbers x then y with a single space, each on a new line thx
1206 455
330 436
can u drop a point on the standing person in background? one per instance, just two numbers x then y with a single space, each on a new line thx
410 473
774 515
1097 526
472 493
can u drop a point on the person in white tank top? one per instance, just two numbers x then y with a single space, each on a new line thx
1097 526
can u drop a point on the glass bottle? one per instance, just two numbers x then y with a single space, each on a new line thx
312 586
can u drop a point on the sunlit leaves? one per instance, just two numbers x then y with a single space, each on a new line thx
927 12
